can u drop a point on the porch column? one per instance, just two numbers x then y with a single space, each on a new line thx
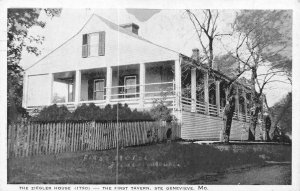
51 78
237 103
245 103
206 92
193 89
77 87
142 84
178 88
218 96
108 83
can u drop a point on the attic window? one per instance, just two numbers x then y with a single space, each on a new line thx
93 44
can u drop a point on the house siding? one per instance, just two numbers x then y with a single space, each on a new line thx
120 49
196 126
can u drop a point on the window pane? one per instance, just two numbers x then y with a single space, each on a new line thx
99 95
93 44
99 85
130 87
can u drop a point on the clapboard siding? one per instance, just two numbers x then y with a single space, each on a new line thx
200 127
196 126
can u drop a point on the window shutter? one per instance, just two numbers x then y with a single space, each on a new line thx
84 46
101 43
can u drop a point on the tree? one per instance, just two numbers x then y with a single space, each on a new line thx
208 27
265 41
281 115
18 23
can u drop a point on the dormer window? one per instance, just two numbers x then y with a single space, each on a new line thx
93 44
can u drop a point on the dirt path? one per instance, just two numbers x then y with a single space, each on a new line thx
271 174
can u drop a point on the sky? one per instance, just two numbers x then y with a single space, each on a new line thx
168 28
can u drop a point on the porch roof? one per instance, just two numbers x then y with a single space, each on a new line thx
193 63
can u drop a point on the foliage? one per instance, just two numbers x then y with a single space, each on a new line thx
282 112
160 110
92 112
266 36
18 23
227 64
86 112
53 113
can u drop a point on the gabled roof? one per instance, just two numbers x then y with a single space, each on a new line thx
127 32
110 25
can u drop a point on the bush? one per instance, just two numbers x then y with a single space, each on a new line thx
86 113
91 112
53 113
161 113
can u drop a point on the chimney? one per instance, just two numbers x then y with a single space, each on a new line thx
132 27
195 55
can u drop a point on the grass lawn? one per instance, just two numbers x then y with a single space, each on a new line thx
166 163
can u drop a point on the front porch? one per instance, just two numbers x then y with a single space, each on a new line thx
137 85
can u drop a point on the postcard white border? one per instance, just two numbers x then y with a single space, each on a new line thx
160 4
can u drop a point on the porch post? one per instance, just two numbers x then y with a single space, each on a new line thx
193 89
206 92
142 84
178 88
25 86
77 87
108 83
51 77
237 102
218 96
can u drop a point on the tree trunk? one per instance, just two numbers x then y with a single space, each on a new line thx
254 119
255 102
227 116
211 53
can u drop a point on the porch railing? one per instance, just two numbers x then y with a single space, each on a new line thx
212 109
164 91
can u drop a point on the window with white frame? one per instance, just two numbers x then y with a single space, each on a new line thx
130 86
99 89
93 44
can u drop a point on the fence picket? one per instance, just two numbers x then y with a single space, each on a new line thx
76 136
28 139
100 136
33 139
93 137
126 135
72 137
98 125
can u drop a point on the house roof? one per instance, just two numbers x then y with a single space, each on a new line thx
110 25
127 32
241 81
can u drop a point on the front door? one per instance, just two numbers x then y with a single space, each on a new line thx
99 89
130 86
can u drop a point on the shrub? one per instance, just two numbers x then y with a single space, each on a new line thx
53 113
91 112
161 113
86 113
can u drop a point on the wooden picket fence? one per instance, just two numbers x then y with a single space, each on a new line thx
29 139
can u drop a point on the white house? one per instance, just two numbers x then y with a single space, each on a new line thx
105 63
